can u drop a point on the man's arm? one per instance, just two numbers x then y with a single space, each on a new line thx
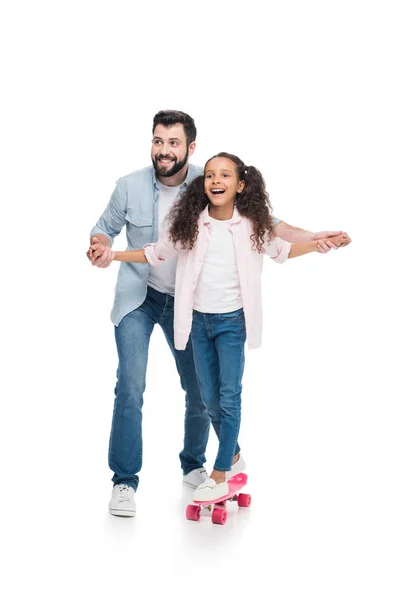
108 226
301 248
103 239
297 235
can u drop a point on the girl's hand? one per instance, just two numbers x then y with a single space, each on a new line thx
342 239
324 239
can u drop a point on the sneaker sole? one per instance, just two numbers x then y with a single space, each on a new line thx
122 513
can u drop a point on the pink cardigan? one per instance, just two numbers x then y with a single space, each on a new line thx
249 264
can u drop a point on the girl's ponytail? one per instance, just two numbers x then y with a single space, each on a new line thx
254 204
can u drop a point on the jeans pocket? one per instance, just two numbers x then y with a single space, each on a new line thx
236 315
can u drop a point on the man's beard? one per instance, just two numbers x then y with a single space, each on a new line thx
168 171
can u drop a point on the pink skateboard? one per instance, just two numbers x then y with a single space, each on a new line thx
219 512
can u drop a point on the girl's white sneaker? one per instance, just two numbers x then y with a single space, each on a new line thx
209 491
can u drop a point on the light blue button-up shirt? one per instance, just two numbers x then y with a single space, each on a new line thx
134 203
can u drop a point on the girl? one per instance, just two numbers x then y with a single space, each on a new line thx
221 228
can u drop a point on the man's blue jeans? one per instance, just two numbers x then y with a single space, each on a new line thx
133 336
218 347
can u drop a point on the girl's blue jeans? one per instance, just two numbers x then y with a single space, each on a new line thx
218 348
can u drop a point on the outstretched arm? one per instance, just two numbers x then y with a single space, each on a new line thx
134 256
298 249
155 254
297 235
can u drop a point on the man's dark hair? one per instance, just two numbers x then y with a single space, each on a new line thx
173 117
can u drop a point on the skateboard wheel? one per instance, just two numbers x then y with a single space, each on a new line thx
244 500
219 516
193 512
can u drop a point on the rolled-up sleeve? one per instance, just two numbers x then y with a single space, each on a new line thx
276 220
114 217
278 250
160 251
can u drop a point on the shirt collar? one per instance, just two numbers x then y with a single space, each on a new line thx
183 184
236 217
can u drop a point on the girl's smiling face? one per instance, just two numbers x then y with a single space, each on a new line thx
221 182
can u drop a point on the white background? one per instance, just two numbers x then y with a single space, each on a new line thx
308 93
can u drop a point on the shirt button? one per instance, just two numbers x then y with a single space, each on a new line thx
137 222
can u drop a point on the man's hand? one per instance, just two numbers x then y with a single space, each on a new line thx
335 240
99 254
96 249
326 240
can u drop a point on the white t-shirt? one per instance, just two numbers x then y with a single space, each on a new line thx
218 288
162 278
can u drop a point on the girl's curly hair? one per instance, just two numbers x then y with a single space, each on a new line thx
252 203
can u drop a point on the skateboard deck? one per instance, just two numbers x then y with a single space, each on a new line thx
219 512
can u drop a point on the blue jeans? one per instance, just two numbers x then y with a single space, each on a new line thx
218 347
132 337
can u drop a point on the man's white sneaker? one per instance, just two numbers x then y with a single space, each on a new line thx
209 491
122 503
195 478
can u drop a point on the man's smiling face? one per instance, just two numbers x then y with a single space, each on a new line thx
169 151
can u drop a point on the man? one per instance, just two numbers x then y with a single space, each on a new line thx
144 296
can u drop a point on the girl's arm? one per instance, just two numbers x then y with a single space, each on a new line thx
155 254
304 248
135 256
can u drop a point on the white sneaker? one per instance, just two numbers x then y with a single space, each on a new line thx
195 478
209 491
238 467
122 503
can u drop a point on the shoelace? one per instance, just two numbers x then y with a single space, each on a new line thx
123 491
